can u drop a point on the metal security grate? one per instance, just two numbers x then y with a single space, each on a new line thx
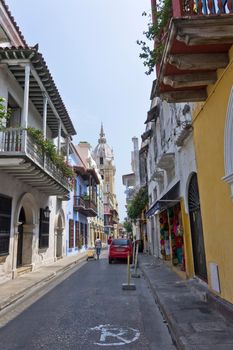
193 195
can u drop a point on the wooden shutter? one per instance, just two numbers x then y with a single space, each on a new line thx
76 234
5 224
81 233
43 230
71 233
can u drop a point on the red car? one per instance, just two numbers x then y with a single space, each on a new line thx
119 249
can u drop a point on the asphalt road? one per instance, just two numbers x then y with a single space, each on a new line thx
88 311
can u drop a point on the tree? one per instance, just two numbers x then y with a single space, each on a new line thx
138 204
128 226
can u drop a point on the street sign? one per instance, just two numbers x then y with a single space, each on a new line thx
109 335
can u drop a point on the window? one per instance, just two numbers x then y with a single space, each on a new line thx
77 234
43 230
5 224
71 233
101 160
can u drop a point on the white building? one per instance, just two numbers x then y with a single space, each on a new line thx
34 182
170 163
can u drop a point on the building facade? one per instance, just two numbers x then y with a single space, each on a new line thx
95 223
197 67
34 138
103 156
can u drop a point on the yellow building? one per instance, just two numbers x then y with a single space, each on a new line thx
197 66
213 135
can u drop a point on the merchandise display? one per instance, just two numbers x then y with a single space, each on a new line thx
171 236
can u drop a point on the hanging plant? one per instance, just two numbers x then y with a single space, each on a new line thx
4 113
155 32
47 147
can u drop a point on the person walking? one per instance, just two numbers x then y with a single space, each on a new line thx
98 246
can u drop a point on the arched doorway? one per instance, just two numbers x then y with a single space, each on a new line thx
22 220
196 229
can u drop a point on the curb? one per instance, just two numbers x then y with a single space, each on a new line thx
174 331
40 283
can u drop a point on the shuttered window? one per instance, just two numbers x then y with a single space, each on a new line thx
81 233
5 224
76 234
71 233
43 230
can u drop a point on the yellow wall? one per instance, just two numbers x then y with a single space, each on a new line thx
216 202
187 242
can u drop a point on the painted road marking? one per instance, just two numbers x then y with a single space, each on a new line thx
115 336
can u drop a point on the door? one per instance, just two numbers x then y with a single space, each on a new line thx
20 238
196 229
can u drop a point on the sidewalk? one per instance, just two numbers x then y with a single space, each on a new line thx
193 323
13 290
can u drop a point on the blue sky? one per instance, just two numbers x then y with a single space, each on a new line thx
90 48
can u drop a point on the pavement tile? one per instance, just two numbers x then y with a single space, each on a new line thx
192 322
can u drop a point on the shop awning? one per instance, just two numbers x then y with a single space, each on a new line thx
155 207
171 198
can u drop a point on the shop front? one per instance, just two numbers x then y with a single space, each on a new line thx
171 236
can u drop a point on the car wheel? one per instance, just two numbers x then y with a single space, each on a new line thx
109 260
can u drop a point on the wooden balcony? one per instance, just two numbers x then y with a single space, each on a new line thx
85 206
196 42
114 216
21 158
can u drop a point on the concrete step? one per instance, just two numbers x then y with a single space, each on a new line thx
24 269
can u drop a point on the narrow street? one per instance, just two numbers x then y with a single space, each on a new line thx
89 310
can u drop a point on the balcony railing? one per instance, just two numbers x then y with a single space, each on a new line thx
85 206
201 7
16 142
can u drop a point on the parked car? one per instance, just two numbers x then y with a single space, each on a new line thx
119 249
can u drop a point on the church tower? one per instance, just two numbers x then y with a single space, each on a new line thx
104 158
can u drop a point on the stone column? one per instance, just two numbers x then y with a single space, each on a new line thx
29 245
15 246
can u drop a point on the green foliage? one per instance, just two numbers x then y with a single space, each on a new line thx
151 57
4 113
138 204
47 147
128 226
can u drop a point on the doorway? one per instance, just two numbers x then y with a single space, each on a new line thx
196 229
22 220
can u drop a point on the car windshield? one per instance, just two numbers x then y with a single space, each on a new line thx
120 242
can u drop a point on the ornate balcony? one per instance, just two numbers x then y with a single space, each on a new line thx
196 42
85 206
21 158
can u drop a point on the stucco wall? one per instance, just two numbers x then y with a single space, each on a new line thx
216 202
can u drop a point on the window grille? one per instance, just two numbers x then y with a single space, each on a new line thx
5 224
43 230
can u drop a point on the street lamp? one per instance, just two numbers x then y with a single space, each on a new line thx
47 212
